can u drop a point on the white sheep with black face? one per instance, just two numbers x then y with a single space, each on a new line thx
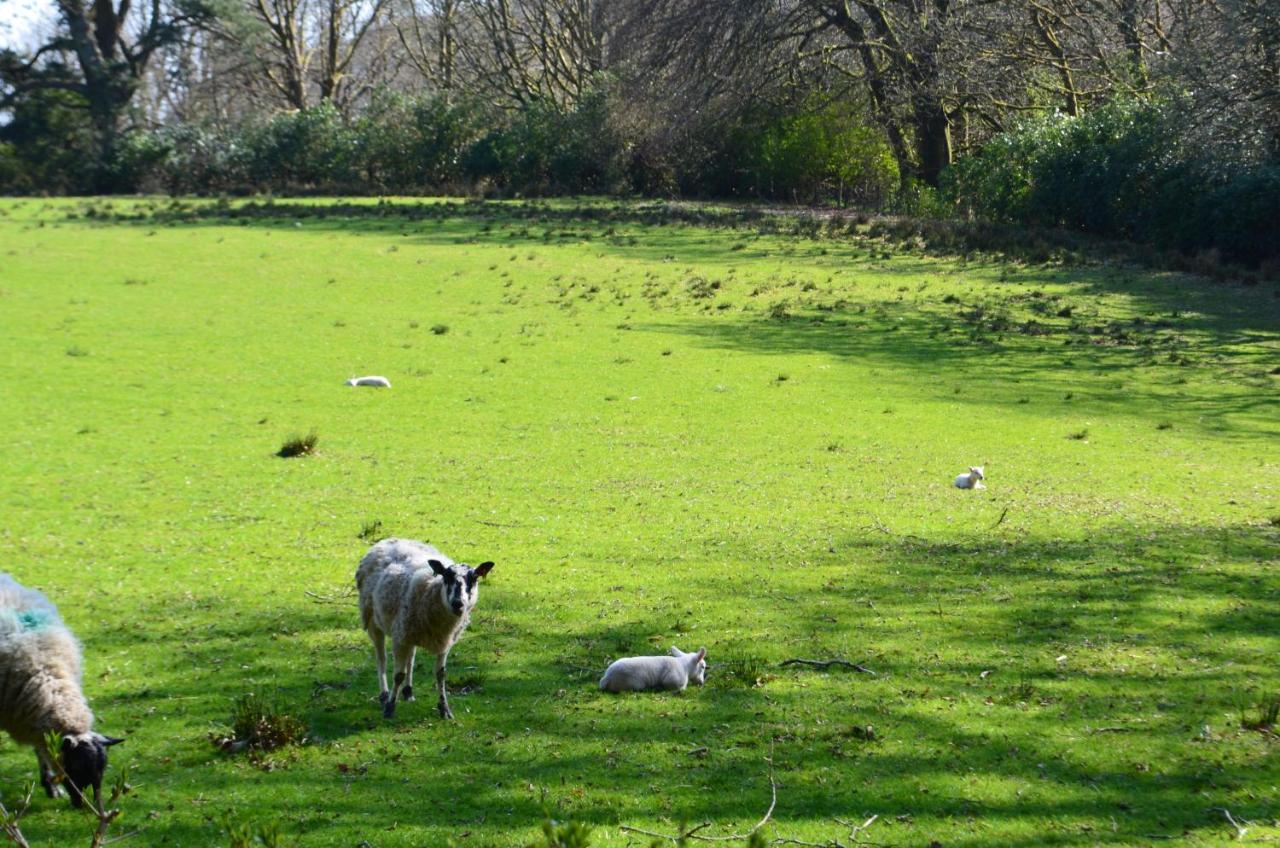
40 692
419 597
671 673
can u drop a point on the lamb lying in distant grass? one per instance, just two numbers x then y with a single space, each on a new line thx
971 480
377 382
672 673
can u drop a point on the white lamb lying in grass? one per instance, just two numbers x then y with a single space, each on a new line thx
971 480
379 382
673 673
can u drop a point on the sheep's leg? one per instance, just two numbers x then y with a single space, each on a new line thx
49 776
406 694
443 704
403 654
379 640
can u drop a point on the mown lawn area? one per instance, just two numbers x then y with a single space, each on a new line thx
667 425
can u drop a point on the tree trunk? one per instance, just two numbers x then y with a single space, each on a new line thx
933 141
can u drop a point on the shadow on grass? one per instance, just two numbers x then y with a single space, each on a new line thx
1162 628
1160 346
1055 370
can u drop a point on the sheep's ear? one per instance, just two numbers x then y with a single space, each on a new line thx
675 652
483 568
702 654
437 566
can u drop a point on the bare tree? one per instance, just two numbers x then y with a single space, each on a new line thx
527 50
305 48
428 32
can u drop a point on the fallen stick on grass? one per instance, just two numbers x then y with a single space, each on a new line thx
828 664
692 833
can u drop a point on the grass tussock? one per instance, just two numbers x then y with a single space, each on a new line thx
299 445
740 671
258 724
1264 717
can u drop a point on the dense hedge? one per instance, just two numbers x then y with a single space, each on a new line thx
1123 171
406 145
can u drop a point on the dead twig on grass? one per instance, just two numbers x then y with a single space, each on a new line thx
692 833
1000 520
341 597
1241 830
855 830
827 664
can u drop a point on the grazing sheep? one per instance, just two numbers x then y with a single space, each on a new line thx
40 692
377 382
421 599
971 480
673 673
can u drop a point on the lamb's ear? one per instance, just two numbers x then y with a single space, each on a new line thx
437 566
702 654
675 652
483 568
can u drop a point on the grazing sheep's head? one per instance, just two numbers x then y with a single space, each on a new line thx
697 664
84 760
459 583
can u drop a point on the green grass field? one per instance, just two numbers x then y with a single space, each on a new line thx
664 431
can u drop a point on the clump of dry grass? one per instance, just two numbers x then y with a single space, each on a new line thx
299 445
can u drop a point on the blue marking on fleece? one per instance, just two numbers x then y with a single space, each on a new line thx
33 619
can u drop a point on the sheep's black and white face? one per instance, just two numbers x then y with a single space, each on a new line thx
84 759
461 584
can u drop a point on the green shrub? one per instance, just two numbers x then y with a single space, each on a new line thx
1122 171
304 149
549 148
416 143
820 154
51 145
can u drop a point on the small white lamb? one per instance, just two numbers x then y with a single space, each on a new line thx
672 673
971 480
377 382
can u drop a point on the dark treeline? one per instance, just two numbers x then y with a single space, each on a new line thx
1149 120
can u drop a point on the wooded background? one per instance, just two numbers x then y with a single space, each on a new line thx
1153 120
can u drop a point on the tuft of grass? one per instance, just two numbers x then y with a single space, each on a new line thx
260 725
1079 435
371 530
439 329
1264 716
1164 425
76 350
299 445
740 670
